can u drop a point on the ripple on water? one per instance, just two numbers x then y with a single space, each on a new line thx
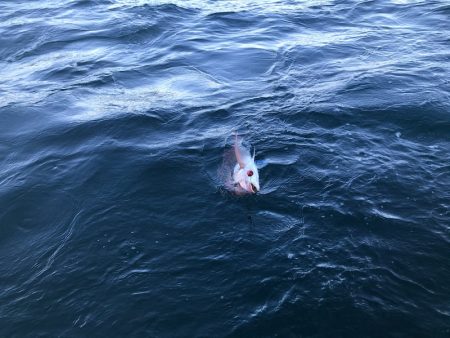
170 89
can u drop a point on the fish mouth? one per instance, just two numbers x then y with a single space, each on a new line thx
254 189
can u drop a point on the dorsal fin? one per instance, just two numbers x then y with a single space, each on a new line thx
237 152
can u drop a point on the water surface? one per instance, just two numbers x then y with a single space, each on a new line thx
114 118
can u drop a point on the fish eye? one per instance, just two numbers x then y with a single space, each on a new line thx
250 173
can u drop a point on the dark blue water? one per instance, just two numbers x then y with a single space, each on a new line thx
114 120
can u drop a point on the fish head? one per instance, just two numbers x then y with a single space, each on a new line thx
247 172
251 179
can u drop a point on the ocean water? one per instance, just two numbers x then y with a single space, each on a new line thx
115 116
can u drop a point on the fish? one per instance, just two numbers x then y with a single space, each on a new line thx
245 172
